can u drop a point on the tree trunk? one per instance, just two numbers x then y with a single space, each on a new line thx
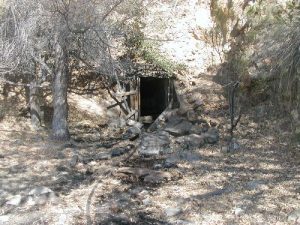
34 102
60 131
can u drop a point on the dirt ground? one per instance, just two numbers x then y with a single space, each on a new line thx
257 184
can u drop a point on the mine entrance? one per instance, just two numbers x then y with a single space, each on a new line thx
155 95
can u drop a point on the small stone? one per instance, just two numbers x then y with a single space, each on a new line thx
256 184
1 156
177 126
212 136
172 211
120 151
157 166
294 216
4 219
190 156
146 201
153 144
170 163
196 129
132 133
40 191
191 141
238 211
233 146
69 145
15 200
102 156
134 123
74 160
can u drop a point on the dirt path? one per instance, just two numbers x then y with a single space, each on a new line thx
257 184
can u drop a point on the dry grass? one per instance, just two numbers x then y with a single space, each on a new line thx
259 184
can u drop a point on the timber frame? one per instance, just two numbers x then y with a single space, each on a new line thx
129 94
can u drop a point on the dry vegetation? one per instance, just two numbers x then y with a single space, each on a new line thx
88 181
258 184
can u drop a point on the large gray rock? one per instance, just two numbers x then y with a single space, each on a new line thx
177 126
172 211
40 196
134 123
191 141
14 200
131 133
154 143
212 136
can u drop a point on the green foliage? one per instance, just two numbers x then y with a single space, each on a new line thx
148 50
222 17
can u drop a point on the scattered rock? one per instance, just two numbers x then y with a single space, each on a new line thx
172 211
134 123
40 191
1 156
196 129
192 116
153 179
189 156
132 133
233 146
14 200
238 211
170 163
102 156
69 145
154 144
212 136
294 217
119 151
74 160
146 201
4 219
177 126
107 144
40 196
256 185
157 166
191 141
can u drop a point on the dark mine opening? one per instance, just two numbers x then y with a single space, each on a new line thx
154 96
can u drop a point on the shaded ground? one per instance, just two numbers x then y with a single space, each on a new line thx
257 184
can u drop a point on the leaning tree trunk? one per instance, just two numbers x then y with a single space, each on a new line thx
34 103
60 131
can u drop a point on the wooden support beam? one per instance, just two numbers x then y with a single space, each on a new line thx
132 113
115 104
126 93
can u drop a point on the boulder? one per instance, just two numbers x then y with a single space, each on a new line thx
40 196
172 211
196 129
134 123
191 141
212 136
131 133
178 129
14 200
120 151
154 143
